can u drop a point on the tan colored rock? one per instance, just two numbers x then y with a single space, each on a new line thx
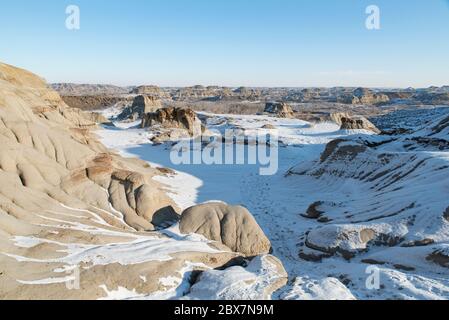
281 109
151 90
364 96
348 122
234 226
338 116
268 127
174 118
93 102
140 106
358 123
66 201
146 104
52 158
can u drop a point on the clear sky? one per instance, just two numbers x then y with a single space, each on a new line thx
230 42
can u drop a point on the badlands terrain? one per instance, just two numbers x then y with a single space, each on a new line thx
93 207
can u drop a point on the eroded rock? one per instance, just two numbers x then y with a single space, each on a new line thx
234 226
280 109
348 122
141 105
174 118
346 240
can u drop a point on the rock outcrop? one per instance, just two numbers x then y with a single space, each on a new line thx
363 96
146 104
348 122
52 154
280 109
172 118
72 89
440 257
345 240
244 93
92 102
153 91
234 226
140 106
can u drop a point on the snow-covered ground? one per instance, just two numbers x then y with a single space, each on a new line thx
277 202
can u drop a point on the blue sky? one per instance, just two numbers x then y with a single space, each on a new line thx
230 42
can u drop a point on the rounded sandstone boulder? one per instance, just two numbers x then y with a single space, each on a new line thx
234 226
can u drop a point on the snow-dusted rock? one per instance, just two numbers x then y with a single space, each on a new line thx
264 275
318 289
234 226
346 239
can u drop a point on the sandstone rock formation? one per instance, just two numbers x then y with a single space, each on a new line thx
51 151
153 91
140 106
92 102
234 226
67 203
281 109
250 94
72 89
171 118
146 104
364 96
348 122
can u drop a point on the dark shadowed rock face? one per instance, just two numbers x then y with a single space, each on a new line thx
359 123
234 226
341 149
439 257
174 118
281 109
